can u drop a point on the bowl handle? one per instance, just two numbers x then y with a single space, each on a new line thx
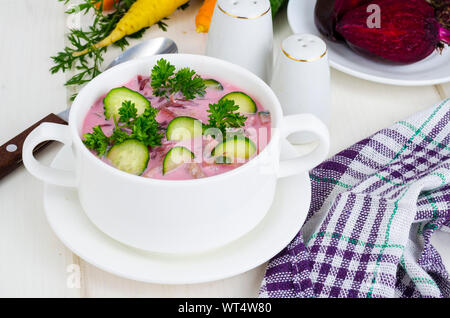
304 123
46 132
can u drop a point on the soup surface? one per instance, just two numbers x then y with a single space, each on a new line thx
205 160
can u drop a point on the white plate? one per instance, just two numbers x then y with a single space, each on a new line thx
276 230
434 69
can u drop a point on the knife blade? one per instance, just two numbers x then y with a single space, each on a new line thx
11 151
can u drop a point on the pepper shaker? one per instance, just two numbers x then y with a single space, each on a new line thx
241 32
301 79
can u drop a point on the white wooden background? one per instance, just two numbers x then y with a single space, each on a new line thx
33 262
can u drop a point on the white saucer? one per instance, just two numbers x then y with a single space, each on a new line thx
432 70
276 230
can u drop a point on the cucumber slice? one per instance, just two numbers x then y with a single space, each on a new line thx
236 147
184 128
130 156
223 160
176 157
113 101
212 83
246 104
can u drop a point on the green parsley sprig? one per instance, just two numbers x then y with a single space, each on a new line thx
225 114
166 82
129 125
89 66
97 140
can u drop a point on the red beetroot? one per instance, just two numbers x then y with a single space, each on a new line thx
409 31
328 12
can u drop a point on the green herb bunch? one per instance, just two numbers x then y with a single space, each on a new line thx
88 66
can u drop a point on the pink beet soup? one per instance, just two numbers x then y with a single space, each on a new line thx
257 129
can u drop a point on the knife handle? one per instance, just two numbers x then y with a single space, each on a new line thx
11 152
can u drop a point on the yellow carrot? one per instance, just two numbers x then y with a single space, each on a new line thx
142 14
204 15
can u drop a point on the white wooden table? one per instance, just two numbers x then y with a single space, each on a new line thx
33 262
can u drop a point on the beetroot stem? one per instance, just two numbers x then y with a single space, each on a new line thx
444 35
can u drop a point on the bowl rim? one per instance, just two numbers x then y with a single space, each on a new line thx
76 138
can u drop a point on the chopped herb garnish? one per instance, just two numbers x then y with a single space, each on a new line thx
97 141
225 114
127 112
146 129
143 128
189 84
165 82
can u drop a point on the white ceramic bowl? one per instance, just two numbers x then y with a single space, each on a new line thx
182 216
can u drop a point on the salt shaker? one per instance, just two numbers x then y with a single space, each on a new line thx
301 79
241 32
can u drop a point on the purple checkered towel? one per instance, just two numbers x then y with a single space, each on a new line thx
374 208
